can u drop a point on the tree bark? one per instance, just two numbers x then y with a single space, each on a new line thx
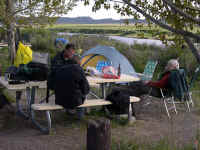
11 43
99 135
11 30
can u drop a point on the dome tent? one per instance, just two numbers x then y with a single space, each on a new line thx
109 54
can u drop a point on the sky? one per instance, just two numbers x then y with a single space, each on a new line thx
80 10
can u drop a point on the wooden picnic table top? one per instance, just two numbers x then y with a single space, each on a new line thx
123 78
43 84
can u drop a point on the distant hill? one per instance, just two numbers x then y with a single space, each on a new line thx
89 20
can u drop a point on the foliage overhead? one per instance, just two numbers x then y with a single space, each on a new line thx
31 12
181 17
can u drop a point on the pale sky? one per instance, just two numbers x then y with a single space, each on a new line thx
80 10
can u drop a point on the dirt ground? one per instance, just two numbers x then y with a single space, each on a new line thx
152 125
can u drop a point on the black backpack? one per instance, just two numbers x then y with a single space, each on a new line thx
120 102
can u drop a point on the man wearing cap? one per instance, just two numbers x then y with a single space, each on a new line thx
62 60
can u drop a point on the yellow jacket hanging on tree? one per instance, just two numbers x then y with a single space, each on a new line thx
23 56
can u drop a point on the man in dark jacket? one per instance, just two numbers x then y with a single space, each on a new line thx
71 86
61 59
65 71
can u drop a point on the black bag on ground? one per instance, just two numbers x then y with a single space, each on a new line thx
120 102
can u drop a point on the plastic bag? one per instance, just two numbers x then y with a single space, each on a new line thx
23 56
109 72
93 71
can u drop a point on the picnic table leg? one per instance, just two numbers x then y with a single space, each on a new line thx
131 118
18 105
103 95
28 99
45 130
103 90
31 99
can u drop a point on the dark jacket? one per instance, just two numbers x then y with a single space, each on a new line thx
58 60
178 83
71 86
56 63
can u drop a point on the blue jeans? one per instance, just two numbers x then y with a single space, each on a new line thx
80 112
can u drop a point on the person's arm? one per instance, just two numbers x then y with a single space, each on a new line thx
161 83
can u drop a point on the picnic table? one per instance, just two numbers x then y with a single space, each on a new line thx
30 88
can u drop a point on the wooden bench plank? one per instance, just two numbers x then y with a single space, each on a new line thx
87 103
134 99
46 106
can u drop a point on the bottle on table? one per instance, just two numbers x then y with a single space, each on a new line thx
119 71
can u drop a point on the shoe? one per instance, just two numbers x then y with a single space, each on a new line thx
71 111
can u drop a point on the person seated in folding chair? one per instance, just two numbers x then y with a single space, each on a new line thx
163 82
173 86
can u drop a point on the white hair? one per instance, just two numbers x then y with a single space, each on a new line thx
172 64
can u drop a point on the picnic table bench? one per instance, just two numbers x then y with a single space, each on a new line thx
88 103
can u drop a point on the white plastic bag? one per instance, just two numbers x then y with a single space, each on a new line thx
93 71
109 72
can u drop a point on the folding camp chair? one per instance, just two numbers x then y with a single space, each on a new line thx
148 70
179 91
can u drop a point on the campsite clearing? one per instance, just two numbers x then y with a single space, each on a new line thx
152 126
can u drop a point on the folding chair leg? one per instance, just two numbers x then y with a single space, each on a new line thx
174 105
190 99
166 108
188 105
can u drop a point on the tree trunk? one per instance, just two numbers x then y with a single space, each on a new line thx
11 43
11 30
99 135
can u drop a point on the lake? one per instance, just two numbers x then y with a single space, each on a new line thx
126 40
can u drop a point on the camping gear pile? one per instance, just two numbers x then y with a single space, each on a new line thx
28 66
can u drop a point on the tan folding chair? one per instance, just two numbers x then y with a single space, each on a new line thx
179 92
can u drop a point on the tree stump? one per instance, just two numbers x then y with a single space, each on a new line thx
99 134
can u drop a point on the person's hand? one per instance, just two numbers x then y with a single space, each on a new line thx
145 82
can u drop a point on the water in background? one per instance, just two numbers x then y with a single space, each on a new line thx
126 40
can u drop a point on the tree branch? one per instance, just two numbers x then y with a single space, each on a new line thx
168 2
193 48
28 7
165 26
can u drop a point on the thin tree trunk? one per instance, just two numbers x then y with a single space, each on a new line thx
11 43
11 30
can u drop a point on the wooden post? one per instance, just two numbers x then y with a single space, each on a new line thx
99 134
